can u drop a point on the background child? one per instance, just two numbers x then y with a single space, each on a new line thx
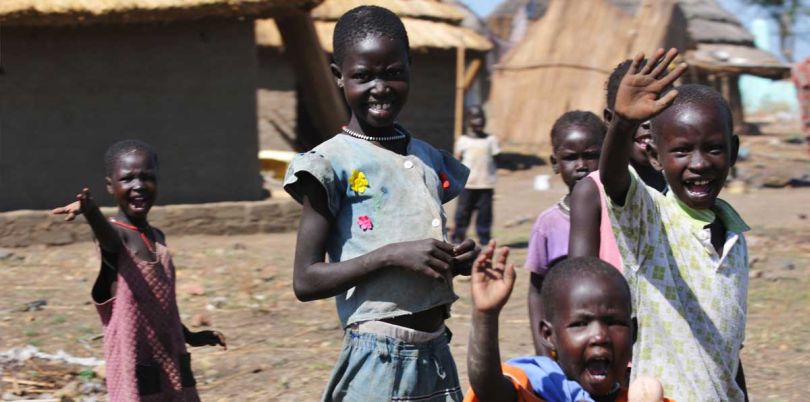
372 200
586 327
478 151
576 140
591 234
144 340
684 253
638 157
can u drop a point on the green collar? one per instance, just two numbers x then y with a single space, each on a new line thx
702 217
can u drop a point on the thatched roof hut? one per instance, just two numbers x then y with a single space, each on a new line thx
430 24
716 42
567 55
434 32
84 12
509 13
562 64
78 75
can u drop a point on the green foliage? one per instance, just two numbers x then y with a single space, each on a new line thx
87 374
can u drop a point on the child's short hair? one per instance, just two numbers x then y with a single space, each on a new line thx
692 94
570 270
361 22
124 146
577 118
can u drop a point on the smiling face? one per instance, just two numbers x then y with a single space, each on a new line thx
577 154
638 155
592 333
375 76
133 183
640 140
695 146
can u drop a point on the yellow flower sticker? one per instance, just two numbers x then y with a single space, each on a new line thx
358 181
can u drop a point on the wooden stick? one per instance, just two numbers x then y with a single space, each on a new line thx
320 94
459 114
472 71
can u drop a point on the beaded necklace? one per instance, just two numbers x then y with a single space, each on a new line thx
398 136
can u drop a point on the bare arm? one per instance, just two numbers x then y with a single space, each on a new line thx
637 100
315 279
536 312
586 219
491 286
107 236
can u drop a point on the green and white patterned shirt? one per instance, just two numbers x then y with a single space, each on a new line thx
690 302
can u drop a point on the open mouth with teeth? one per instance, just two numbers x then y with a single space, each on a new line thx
380 109
597 375
699 188
379 106
138 203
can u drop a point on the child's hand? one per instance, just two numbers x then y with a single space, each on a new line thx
206 338
645 389
492 283
84 201
464 254
637 98
430 257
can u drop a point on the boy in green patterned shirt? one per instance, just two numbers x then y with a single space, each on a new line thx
684 254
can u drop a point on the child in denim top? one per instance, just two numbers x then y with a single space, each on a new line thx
372 198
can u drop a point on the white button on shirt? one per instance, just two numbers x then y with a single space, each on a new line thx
408 164
436 222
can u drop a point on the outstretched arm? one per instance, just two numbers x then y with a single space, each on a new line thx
315 279
637 100
107 236
586 218
491 286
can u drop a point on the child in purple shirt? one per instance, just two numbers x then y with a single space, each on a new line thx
576 141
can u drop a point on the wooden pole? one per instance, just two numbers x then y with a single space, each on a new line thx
320 95
735 103
472 71
459 114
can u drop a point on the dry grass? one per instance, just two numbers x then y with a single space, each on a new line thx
563 62
422 34
76 12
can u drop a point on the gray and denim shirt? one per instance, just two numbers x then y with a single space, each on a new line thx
378 197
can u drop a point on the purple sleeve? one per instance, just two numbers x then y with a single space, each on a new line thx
537 257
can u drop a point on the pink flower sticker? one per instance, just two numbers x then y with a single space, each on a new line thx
365 223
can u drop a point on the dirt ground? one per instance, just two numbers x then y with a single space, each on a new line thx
283 350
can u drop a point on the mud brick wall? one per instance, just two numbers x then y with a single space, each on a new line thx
277 101
187 88
31 227
431 101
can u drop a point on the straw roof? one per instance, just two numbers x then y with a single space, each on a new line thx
708 22
563 62
422 9
719 43
735 59
426 30
716 41
422 34
501 19
80 12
